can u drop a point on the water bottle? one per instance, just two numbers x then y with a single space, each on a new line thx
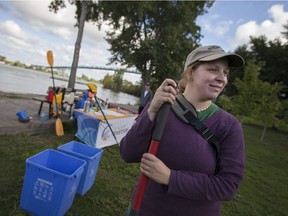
44 117
87 105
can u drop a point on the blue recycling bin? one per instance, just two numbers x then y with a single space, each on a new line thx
92 157
50 183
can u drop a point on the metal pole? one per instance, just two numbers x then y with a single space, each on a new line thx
105 119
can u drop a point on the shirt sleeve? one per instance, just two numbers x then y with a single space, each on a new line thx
136 141
223 185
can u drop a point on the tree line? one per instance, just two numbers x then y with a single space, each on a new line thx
115 82
259 91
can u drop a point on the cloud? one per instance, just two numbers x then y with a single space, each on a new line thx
16 39
213 24
10 28
271 28
38 16
29 26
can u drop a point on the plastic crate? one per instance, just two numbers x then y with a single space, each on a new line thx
92 157
50 183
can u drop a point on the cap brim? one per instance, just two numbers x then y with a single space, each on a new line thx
234 59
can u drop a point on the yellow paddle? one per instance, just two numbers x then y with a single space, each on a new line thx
58 126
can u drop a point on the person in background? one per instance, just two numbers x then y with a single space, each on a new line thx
59 96
87 95
50 94
183 179
146 97
68 100
58 100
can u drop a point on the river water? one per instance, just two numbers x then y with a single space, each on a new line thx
21 80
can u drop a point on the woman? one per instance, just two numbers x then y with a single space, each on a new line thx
182 174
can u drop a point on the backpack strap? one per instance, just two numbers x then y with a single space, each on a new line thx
181 107
187 113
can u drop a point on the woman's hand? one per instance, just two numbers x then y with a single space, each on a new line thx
155 169
165 93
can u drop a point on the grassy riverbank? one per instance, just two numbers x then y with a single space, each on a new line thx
263 191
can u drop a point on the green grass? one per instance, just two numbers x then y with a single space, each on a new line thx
263 191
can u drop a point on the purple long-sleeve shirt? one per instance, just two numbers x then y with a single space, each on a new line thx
193 188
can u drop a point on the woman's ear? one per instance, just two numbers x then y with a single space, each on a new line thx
188 73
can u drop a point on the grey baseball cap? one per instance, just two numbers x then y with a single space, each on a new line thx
213 52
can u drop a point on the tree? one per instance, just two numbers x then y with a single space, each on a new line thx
153 36
84 77
256 99
84 7
2 58
272 53
273 57
231 90
81 17
118 79
285 33
107 81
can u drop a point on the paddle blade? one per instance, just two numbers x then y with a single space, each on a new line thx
59 127
50 58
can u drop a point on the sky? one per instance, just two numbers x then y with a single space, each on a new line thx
28 29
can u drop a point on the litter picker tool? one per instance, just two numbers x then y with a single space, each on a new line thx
153 148
93 89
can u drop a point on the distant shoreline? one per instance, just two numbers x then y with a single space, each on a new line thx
9 95
56 75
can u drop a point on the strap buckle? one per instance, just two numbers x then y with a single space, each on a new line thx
205 132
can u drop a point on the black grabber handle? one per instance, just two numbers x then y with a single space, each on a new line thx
160 121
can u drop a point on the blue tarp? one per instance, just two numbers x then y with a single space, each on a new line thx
87 129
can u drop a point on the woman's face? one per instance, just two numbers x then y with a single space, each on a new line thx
209 79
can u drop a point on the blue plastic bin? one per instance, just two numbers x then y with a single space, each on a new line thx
92 157
50 183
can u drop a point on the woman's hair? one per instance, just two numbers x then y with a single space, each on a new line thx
58 90
184 80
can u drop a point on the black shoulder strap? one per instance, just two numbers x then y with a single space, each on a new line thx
186 111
